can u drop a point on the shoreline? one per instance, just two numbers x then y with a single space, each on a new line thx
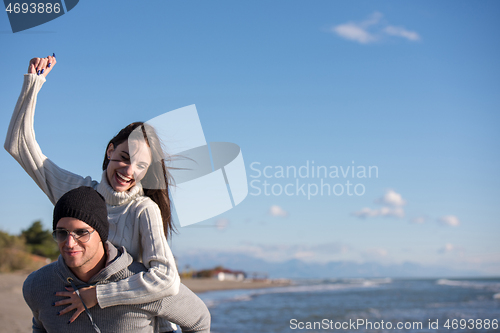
202 285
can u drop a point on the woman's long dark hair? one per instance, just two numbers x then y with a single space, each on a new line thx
157 172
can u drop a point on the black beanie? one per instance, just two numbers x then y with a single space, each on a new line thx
87 205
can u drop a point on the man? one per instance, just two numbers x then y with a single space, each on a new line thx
81 229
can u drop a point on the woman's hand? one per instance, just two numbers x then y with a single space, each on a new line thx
88 295
42 66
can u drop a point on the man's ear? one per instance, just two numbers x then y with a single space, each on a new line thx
110 150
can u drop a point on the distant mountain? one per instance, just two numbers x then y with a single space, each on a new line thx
297 269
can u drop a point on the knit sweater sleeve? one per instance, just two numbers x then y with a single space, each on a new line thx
37 325
21 144
161 279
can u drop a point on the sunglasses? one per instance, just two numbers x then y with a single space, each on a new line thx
81 235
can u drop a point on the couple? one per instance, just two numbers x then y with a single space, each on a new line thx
139 218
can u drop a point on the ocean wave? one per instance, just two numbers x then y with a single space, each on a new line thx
213 299
310 286
316 288
320 287
493 286
349 281
243 298
372 280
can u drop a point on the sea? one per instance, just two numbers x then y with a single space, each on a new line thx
360 305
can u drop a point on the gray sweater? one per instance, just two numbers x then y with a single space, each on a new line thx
40 286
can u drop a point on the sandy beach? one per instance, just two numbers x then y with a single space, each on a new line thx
15 315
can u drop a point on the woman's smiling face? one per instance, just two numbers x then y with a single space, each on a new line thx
128 164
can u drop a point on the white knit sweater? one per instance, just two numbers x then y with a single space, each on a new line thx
135 220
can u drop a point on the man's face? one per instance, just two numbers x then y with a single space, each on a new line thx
77 254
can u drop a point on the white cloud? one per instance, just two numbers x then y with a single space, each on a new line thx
366 212
401 32
372 30
392 202
358 31
391 198
448 247
277 211
221 224
354 32
449 220
384 211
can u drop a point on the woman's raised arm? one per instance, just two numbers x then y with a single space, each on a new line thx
21 143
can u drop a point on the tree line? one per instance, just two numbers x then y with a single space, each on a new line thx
27 251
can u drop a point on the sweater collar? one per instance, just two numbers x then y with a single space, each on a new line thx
114 198
118 259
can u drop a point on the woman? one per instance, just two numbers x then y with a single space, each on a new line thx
140 219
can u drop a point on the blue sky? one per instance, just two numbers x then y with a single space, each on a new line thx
408 87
